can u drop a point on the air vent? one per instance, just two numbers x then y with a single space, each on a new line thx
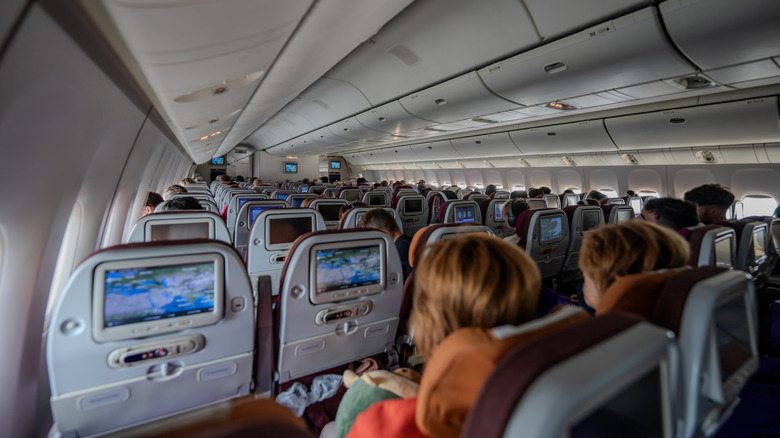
440 101
629 159
706 157
677 121
523 162
555 67
404 54
694 82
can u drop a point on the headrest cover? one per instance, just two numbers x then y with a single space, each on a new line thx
460 365
636 293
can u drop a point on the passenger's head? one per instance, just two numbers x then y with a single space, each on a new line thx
567 191
223 179
186 181
384 183
324 179
239 178
183 203
518 194
671 213
173 190
517 206
473 280
380 219
713 200
595 194
490 190
632 247
545 190
153 199
535 193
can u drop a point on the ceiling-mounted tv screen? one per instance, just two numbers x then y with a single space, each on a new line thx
335 164
290 167
218 161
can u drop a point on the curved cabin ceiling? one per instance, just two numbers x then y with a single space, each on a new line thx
401 81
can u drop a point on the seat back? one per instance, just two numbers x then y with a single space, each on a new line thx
713 311
636 203
436 232
282 194
229 193
351 194
377 198
354 215
582 218
340 297
235 204
493 218
296 200
179 225
616 213
536 203
460 212
149 330
609 376
552 201
246 217
461 193
198 196
544 235
711 245
752 238
476 197
614 201
568 199
501 194
270 238
329 209
413 212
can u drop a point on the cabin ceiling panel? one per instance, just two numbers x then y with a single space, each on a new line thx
622 52
491 145
328 100
422 49
551 22
391 118
457 99
435 151
351 129
390 155
683 156
748 72
717 33
330 32
773 152
571 138
742 154
654 157
592 159
754 120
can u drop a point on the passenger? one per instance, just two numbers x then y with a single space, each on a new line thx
713 202
153 199
173 190
671 213
383 220
630 193
183 203
223 179
590 201
492 284
377 185
614 251
596 195
535 193
384 183
239 178
545 190
199 178
490 190
568 191
518 194
346 207
361 180
518 206
324 179
186 181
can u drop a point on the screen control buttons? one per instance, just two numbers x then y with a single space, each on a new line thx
151 352
343 313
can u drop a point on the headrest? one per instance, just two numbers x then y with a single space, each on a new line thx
672 297
695 237
521 226
461 364
635 293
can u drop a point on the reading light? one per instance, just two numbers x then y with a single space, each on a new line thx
560 106
629 159
292 157
459 164
568 161
203 138
440 101
523 162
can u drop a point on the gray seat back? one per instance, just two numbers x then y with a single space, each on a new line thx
179 225
413 212
246 217
329 209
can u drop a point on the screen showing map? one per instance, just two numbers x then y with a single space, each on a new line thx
499 216
304 189
344 268
552 228
464 214
157 292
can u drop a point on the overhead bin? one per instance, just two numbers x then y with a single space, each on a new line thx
457 99
352 129
550 22
435 151
622 52
355 158
718 33
389 155
571 138
391 118
328 100
485 146
748 121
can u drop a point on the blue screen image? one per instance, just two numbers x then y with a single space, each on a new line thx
281 196
220 160
344 268
254 211
297 202
464 214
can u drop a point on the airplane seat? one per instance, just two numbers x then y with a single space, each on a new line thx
179 225
271 236
404 187
377 198
493 218
330 209
297 200
235 204
246 216
461 193
581 218
413 213
354 215
536 203
209 206
616 213
145 331
198 196
501 194
609 376
351 194
751 247
552 201
317 190
544 235
636 203
460 211
567 199
398 196
711 245
615 201
329 317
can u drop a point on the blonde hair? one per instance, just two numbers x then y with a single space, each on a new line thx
474 280
627 248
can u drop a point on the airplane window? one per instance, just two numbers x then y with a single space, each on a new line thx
758 205
573 189
609 192
648 193
479 185
518 187
737 211
462 185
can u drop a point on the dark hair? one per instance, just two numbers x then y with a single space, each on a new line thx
673 213
223 178
325 179
183 203
360 180
517 205
379 218
710 194
595 194
518 194
545 190
491 188
534 192
239 178
153 199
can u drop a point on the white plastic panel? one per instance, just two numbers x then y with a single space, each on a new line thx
435 151
328 100
389 155
538 178
619 53
602 179
717 33
571 138
645 179
748 72
773 153
551 22
744 154
683 156
433 40
457 99
492 145
351 129
391 118
751 121
592 159
659 156
569 179
755 181
355 158
686 179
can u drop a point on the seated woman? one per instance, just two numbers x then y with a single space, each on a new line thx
613 252
474 280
